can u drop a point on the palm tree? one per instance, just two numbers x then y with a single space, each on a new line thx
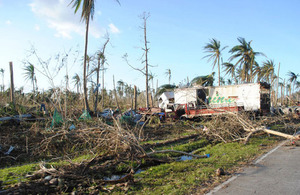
214 48
151 78
120 87
281 85
205 81
88 8
293 79
168 74
229 82
230 70
298 85
267 71
30 75
2 72
164 88
101 61
76 80
222 81
245 56
257 72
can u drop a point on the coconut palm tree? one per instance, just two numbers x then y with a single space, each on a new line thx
165 88
298 85
2 73
205 81
281 85
151 77
168 74
76 80
292 79
88 9
257 72
120 87
214 49
222 81
245 56
230 70
229 82
30 75
267 71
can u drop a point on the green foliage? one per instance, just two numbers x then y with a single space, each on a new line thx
205 81
165 88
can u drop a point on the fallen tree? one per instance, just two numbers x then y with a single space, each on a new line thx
238 126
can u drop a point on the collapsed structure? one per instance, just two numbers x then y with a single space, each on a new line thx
199 101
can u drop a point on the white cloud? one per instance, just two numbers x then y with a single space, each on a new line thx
113 29
8 22
37 27
60 16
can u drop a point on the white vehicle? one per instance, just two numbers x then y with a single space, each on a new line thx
200 100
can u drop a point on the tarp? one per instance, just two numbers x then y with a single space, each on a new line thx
85 115
57 119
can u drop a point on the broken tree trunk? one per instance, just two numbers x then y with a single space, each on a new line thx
250 128
135 98
12 88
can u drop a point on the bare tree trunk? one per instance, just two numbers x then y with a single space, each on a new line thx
97 83
156 90
102 86
101 60
135 98
219 71
277 85
146 58
12 88
85 96
66 97
284 91
116 96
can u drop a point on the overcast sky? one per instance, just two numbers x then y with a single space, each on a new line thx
177 32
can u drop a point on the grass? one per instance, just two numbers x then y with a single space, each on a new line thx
184 147
16 174
189 176
182 177
13 175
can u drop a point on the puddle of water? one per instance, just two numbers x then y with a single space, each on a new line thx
117 177
184 158
113 177
139 171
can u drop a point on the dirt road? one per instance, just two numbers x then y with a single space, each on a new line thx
277 172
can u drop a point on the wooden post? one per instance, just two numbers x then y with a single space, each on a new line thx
135 98
12 95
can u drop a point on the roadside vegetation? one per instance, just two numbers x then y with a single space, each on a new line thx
106 156
89 141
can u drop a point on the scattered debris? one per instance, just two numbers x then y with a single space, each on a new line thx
9 150
220 172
